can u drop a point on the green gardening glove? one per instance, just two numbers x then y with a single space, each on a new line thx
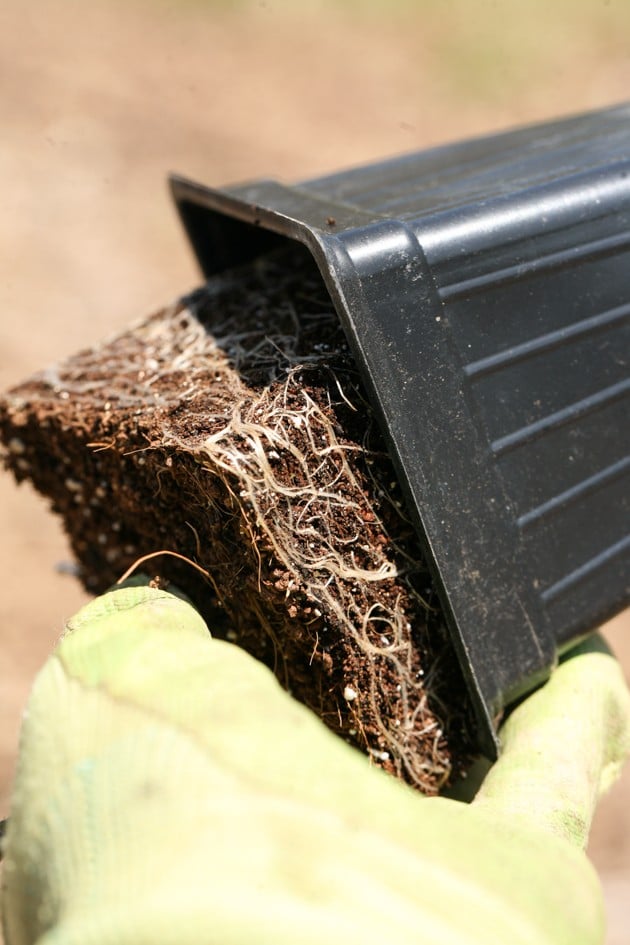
170 793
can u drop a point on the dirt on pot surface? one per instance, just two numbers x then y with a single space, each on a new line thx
232 428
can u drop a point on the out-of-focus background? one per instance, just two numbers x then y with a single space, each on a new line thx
99 100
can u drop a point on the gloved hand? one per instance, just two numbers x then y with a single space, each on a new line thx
168 791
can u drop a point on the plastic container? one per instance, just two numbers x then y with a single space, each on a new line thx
485 291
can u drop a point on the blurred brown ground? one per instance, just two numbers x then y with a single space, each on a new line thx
99 101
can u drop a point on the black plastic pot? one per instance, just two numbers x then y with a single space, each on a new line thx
485 290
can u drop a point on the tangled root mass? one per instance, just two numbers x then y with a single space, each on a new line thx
232 428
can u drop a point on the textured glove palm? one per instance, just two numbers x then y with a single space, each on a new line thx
169 791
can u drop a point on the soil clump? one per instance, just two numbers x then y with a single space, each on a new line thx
232 427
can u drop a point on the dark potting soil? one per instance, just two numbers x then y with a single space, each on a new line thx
232 428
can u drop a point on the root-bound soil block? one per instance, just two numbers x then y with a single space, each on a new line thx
232 428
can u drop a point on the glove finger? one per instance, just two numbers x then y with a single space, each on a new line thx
563 746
